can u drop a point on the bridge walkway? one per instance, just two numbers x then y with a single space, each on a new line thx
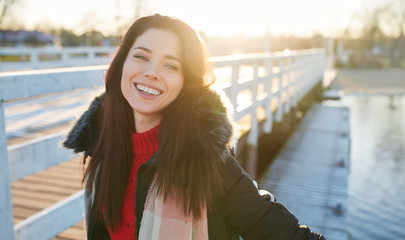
310 174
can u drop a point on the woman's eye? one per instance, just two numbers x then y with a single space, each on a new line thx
141 57
172 67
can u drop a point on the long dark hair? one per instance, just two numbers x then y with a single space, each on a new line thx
191 173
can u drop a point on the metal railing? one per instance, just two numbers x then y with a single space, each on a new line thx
271 82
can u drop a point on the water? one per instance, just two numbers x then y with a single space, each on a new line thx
377 171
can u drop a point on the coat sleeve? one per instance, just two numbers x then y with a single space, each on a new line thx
253 217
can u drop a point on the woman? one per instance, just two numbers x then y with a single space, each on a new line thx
159 143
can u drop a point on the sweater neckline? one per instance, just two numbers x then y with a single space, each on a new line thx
146 143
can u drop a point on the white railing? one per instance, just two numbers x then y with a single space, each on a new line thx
273 82
12 59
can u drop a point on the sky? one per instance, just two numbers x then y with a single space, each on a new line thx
213 17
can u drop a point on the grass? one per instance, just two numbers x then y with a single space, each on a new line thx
14 58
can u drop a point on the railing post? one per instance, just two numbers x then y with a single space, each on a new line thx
268 85
6 207
293 78
234 86
297 77
279 112
34 59
251 166
304 79
91 56
314 73
64 57
288 96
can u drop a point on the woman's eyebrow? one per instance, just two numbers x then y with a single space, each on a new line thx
150 51
143 48
173 58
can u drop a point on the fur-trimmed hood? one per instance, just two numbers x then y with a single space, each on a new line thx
213 124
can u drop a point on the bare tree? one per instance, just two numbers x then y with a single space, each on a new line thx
384 26
5 9
373 30
396 19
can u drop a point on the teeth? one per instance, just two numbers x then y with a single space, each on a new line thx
147 90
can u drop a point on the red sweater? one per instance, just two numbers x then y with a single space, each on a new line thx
144 146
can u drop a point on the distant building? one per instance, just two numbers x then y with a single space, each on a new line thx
24 38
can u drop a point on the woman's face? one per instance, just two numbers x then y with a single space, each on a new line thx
152 73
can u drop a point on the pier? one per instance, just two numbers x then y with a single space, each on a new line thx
45 180
309 175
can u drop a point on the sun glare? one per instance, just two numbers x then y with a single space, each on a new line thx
289 17
220 18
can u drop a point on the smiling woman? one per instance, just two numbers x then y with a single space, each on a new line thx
160 148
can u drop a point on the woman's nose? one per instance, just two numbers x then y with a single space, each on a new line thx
152 74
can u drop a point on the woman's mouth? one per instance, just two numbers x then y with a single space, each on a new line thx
147 90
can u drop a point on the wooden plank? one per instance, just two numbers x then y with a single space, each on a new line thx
74 173
31 204
53 198
50 218
75 163
17 219
22 212
75 232
41 188
65 174
57 182
75 185
58 174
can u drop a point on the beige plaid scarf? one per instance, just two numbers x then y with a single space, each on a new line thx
165 220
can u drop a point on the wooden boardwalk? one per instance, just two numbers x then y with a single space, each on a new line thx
43 189
310 174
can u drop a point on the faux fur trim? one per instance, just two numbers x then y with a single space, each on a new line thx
85 131
213 118
214 123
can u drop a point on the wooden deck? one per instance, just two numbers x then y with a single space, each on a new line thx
310 174
43 189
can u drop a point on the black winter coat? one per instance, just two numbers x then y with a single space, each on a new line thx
240 211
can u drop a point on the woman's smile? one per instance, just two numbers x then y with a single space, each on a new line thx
147 89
